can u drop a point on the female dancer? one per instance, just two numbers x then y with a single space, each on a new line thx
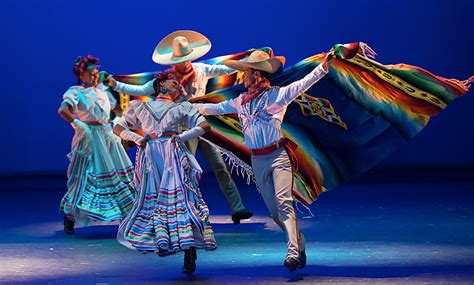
100 173
169 214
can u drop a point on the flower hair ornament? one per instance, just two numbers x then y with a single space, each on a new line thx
84 63
162 77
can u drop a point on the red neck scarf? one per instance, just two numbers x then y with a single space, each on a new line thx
184 78
257 91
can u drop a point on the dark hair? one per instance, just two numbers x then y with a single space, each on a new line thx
265 75
160 78
84 63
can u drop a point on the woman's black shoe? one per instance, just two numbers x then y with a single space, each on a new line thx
291 263
190 257
302 259
68 226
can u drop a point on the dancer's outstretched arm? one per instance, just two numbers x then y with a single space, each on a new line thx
215 70
133 90
225 107
288 93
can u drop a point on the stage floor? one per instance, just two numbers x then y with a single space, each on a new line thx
384 232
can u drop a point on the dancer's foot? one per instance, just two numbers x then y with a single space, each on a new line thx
302 253
190 257
241 215
302 259
68 226
291 263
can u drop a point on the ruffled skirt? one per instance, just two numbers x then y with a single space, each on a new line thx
100 178
169 214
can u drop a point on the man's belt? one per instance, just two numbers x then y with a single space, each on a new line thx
268 149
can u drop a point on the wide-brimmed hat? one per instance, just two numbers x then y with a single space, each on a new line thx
259 60
181 46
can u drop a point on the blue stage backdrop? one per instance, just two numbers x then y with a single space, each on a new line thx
40 40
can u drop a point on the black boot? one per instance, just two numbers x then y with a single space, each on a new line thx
241 215
190 257
302 253
68 226
302 259
291 263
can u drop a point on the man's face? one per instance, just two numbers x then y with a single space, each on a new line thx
90 77
249 78
184 67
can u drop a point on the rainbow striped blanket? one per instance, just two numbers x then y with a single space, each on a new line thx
347 123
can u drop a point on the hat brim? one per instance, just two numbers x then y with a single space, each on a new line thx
270 65
163 53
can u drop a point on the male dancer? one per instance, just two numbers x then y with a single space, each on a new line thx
178 49
261 110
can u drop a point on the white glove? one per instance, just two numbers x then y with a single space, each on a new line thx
115 121
131 136
191 133
80 126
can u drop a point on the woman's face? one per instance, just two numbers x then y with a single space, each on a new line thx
174 89
90 77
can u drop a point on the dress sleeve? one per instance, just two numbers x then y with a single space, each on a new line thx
71 98
129 119
192 115
112 99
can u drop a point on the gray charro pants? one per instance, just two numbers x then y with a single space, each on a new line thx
274 177
219 167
